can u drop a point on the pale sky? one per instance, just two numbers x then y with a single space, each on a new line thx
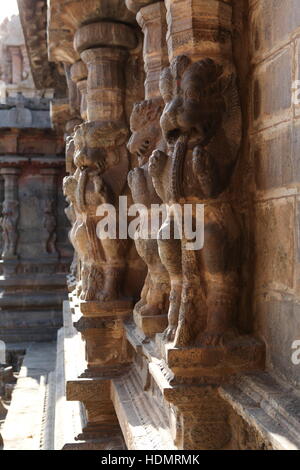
8 8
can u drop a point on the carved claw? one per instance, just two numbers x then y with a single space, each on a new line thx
169 333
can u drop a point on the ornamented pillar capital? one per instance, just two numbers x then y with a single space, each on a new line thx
136 5
152 20
105 84
200 29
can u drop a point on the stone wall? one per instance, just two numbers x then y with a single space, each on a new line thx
274 131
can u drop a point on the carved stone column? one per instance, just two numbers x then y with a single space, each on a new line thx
103 296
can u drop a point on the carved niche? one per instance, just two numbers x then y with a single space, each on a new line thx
146 136
201 124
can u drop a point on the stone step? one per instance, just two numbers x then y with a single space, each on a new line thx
271 408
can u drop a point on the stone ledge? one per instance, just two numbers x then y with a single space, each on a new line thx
272 409
141 430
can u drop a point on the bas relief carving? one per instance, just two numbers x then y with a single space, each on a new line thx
201 124
50 225
9 222
146 136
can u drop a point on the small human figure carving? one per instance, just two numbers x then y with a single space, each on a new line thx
10 215
50 225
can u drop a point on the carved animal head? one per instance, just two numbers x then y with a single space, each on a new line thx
145 128
97 143
194 97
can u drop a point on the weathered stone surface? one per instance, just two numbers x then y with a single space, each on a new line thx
274 244
272 25
277 322
272 88
274 161
34 19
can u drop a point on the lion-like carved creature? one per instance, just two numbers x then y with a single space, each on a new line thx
201 123
146 136
101 159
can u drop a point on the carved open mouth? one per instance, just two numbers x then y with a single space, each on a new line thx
172 136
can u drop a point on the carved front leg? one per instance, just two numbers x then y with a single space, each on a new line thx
114 268
156 297
221 254
170 255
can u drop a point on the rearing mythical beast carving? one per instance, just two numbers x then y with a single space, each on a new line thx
101 159
146 136
201 123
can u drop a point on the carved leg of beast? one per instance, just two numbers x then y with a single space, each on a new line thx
156 297
113 268
92 281
221 257
170 255
193 308
144 293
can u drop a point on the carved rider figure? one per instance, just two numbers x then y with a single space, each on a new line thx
201 123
